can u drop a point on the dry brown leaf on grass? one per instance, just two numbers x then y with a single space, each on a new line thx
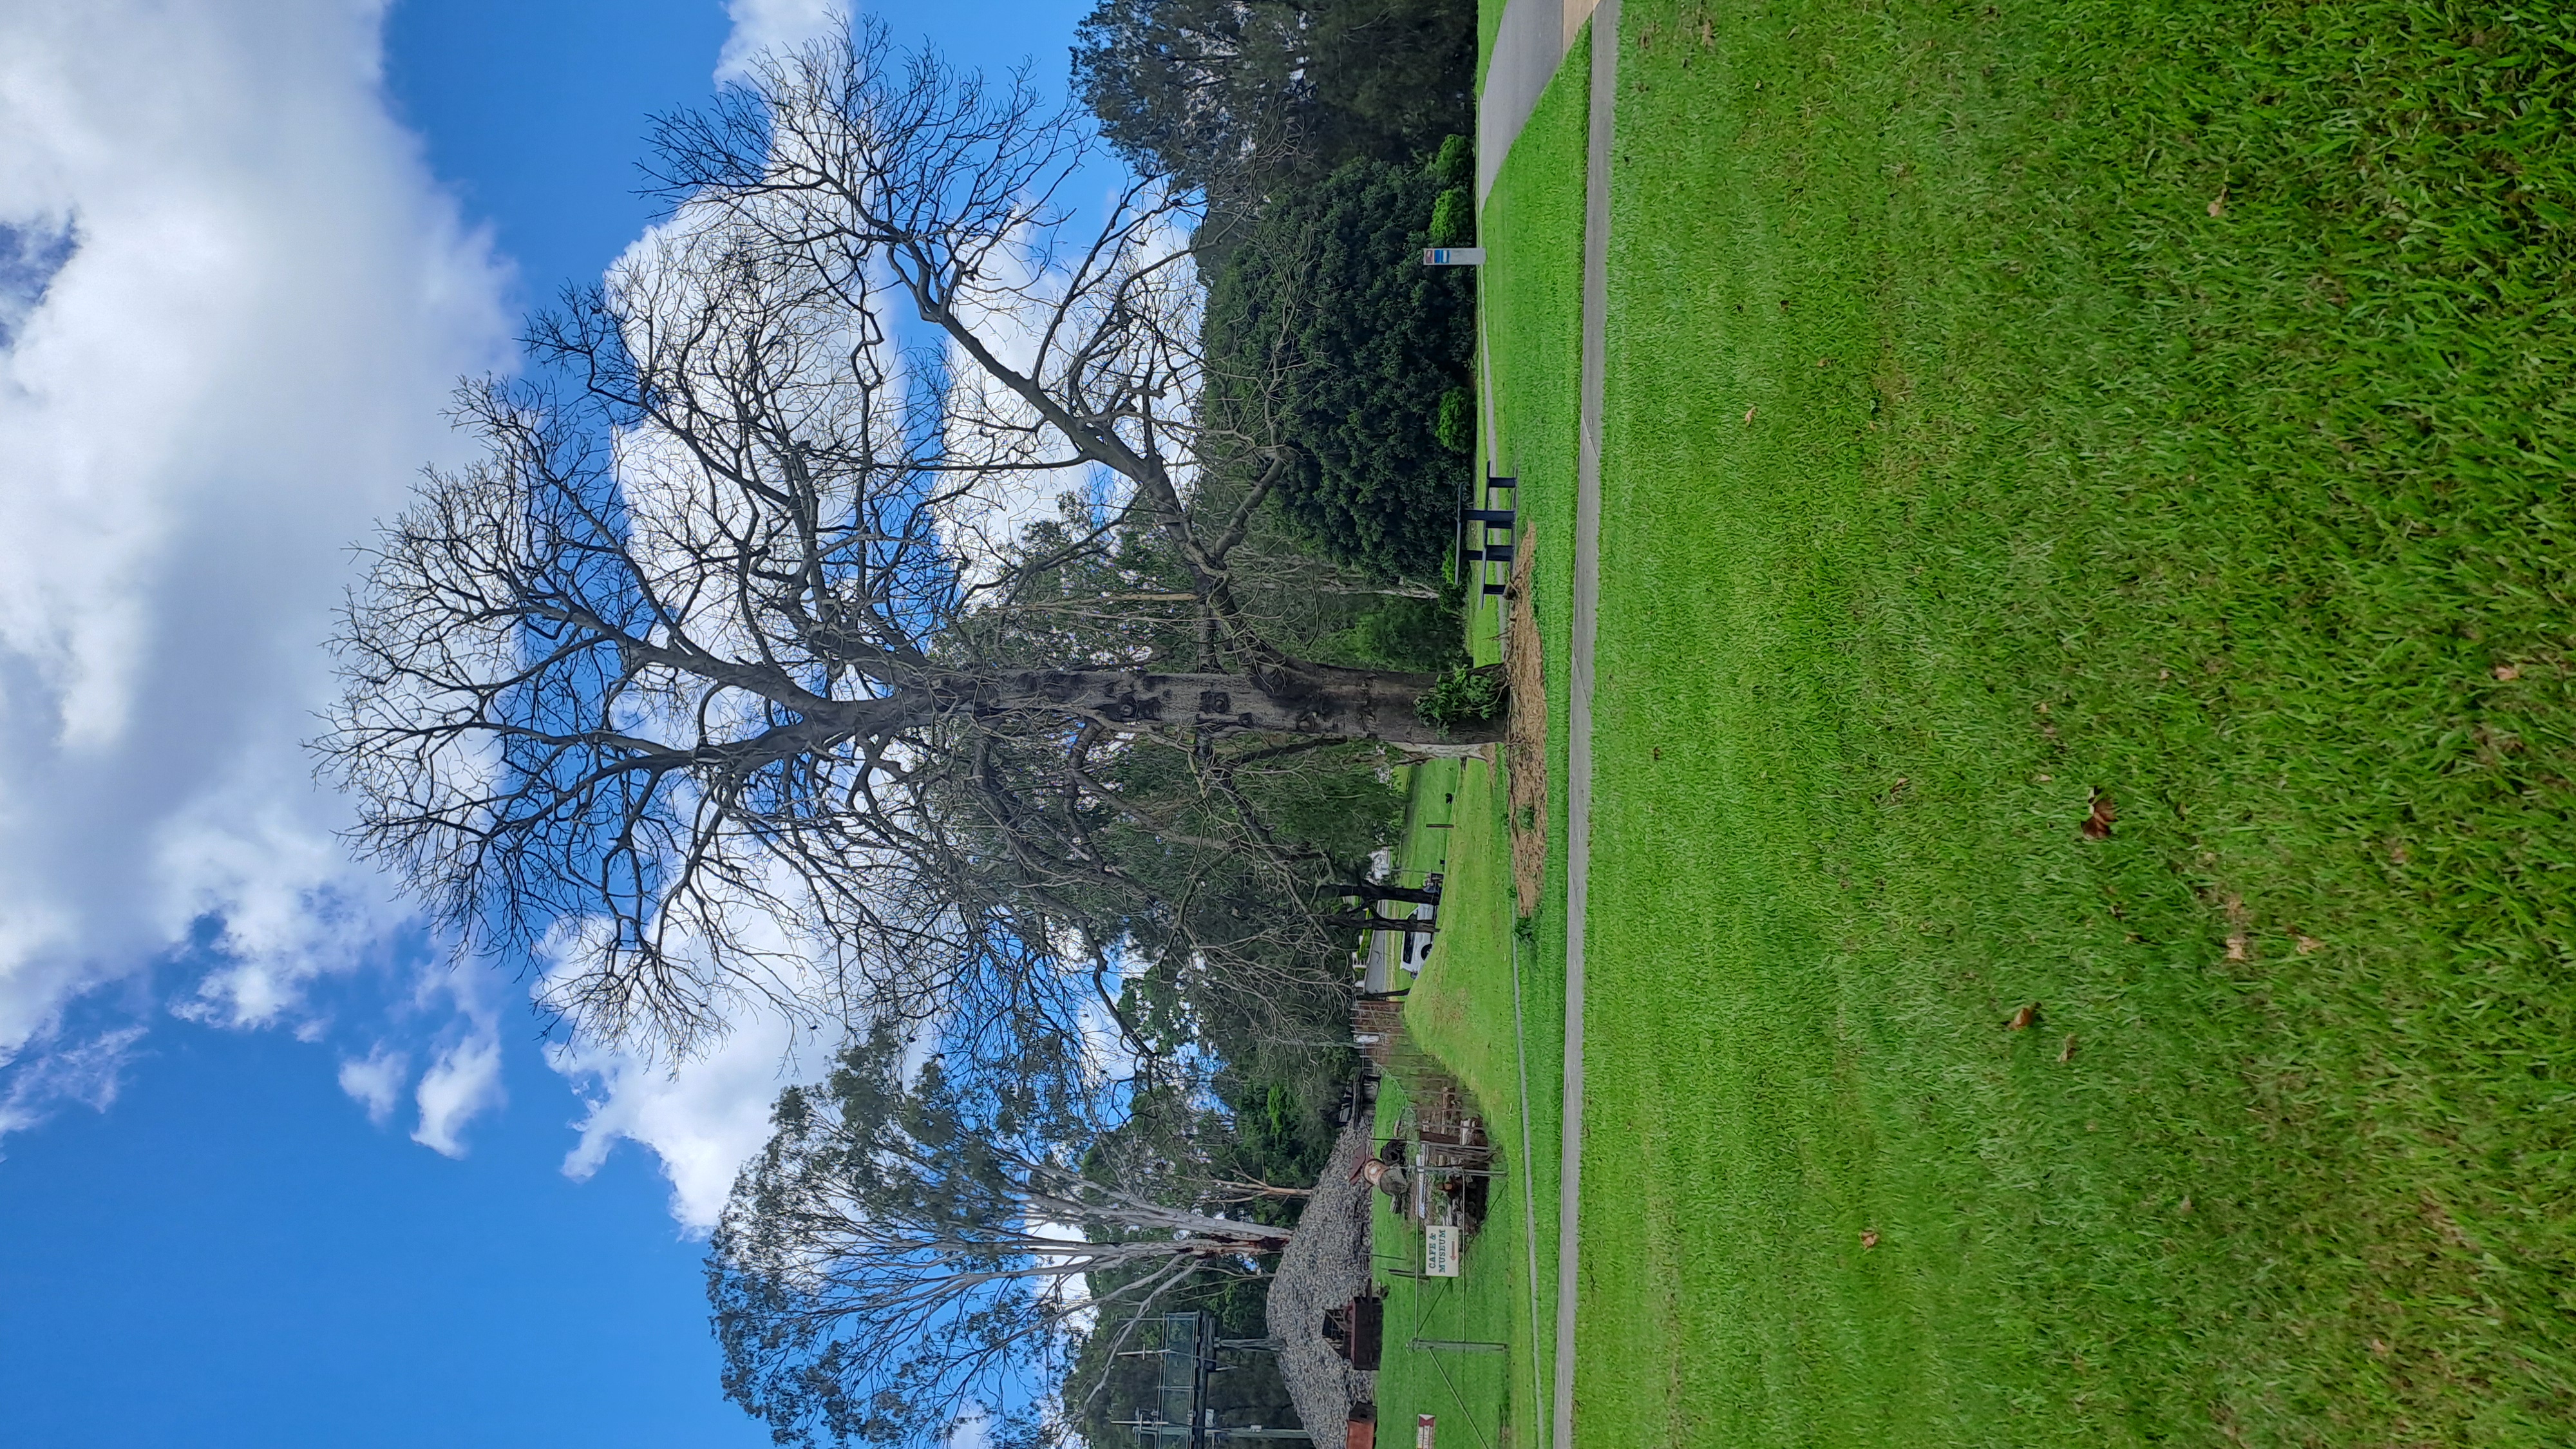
2066 1052
2022 1019
2236 947
2310 945
2097 825
1869 1237
1748 414
2508 671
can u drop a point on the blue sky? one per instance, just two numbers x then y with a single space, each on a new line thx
269 1172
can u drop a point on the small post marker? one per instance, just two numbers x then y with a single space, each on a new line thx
1422 1427
1454 257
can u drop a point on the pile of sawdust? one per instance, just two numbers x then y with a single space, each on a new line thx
1525 737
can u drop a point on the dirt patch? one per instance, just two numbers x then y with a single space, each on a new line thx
1525 738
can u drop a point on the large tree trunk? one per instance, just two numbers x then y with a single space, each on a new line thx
1372 892
1368 921
1294 699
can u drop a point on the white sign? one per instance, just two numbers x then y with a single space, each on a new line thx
1454 257
1440 1252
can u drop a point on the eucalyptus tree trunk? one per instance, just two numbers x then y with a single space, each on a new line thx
1302 699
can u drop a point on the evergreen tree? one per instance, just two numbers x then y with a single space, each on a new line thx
1328 297
1242 100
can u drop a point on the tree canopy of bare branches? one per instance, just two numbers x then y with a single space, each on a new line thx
735 668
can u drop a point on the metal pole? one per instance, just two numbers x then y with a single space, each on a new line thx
1203 1356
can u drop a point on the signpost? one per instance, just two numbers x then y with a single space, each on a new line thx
1440 1251
1454 257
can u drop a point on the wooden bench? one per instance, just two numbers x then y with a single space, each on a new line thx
1477 525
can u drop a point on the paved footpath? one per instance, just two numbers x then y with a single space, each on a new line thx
1578 769
1529 46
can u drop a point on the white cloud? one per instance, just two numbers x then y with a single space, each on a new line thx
462 1084
704 1119
235 302
232 302
88 1074
1010 310
760 25
375 1081
464 1077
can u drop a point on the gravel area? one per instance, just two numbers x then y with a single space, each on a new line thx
1324 1266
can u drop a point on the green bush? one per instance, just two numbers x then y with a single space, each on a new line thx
1462 697
1453 218
1453 212
1456 425
1454 164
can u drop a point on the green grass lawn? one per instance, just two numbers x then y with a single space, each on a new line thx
1530 297
1461 1009
2012 405
1468 1391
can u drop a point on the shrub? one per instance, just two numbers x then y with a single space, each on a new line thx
1456 425
1454 164
1453 218
1463 697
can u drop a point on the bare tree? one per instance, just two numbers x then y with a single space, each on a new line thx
1075 347
731 668
908 1248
